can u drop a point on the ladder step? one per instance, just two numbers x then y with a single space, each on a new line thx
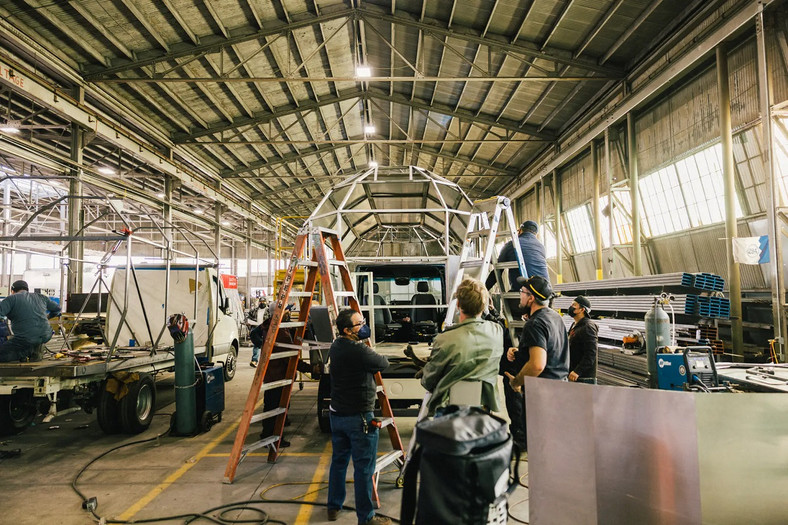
283 355
472 263
275 384
479 233
309 263
289 346
387 459
326 231
503 265
337 262
291 324
386 422
266 415
300 294
270 440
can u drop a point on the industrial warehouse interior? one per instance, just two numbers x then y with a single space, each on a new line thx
212 200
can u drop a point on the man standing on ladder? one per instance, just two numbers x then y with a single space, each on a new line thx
352 366
533 256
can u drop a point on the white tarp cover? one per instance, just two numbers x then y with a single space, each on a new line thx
152 289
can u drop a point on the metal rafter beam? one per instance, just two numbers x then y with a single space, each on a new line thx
304 107
467 116
212 44
493 41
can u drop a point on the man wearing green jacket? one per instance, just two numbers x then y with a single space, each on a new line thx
468 351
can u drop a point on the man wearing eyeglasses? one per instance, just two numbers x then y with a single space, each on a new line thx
544 346
352 365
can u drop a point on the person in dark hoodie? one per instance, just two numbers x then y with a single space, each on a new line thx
29 314
352 367
583 341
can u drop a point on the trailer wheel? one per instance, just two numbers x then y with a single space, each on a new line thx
108 411
138 406
230 363
323 402
17 411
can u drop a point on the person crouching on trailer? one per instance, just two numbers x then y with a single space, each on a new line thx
29 314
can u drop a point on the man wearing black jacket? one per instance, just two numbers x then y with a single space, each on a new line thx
582 342
352 365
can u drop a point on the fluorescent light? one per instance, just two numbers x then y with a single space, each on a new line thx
198 211
369 129
9 129
106 171
363 71
225 223
161 195
373 164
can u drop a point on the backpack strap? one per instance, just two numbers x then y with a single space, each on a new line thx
408 506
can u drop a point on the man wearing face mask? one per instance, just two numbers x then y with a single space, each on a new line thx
352 365
544 346
582 342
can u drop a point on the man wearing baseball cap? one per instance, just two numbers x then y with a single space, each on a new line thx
544 347
29 314
582 342
533 256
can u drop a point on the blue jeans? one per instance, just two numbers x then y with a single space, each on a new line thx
255 353
349 439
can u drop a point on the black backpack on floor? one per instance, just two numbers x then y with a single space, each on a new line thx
463 459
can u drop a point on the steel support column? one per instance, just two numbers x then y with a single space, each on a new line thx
217 234
728 174
611 256
775 235
634 190
597 212
559 245
76 250
249 226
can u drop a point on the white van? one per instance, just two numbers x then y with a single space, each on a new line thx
197 293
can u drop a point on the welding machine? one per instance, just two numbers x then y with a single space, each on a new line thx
210 395
691 368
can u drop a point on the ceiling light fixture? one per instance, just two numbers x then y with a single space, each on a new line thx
369 129
198 211
373 164
10 126
225 223
160 195
363 72
106 171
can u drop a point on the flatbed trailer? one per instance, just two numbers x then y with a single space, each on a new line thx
89 378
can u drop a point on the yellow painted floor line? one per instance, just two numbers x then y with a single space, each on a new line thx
172 478
265 454
312 491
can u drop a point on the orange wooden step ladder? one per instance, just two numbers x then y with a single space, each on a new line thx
317 264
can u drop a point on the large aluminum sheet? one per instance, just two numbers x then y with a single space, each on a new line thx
609 455
743 451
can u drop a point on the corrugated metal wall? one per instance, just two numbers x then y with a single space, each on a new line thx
683 122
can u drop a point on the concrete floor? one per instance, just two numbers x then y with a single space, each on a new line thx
177 475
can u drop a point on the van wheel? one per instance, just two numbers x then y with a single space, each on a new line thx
323 402
108 411
138 406
230 363
17 411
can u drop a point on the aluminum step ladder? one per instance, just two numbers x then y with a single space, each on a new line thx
318 264
479 255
